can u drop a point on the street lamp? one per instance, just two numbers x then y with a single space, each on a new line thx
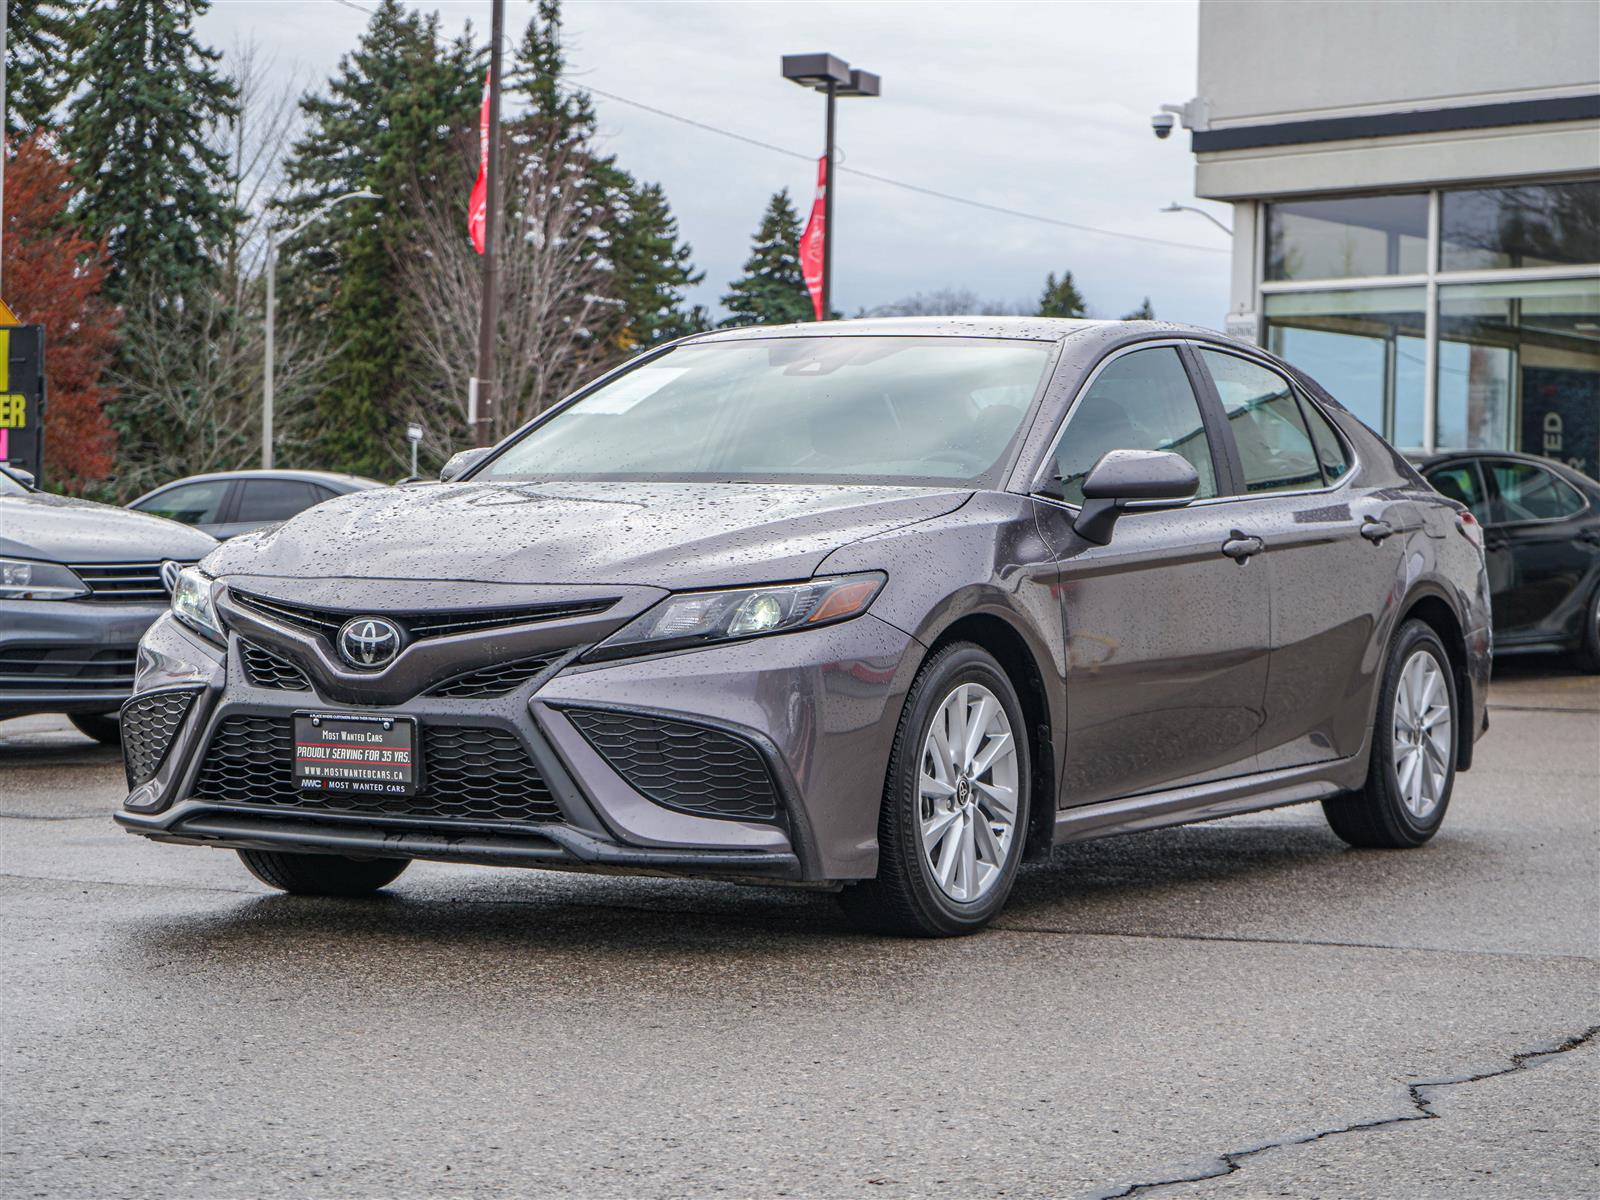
273 242
833 77
1176 207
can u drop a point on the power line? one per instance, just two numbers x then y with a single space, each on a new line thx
883 179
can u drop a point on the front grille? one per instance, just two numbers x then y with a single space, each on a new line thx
266 670
468 774
148 726
497 680
687 767
50 668
123 582
418 625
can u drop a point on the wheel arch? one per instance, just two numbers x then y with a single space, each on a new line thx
1433 610
1010 648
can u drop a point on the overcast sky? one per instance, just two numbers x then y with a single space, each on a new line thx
1041 107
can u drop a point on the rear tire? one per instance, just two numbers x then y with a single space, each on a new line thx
1589 643
102 727
322 874
955 803
1414 740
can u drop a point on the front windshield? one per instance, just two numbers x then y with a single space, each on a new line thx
918 410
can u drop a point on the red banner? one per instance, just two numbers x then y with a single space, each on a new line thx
811 241
478 205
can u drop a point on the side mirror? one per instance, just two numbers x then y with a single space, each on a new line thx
459 463
1126 480
25 478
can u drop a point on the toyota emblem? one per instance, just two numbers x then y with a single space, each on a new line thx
369 641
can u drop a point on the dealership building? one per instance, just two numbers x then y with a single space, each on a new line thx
1416 197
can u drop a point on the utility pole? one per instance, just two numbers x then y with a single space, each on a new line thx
483 382
827 211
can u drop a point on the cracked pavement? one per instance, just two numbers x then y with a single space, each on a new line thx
1246 1008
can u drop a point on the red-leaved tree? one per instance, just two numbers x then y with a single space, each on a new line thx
52 277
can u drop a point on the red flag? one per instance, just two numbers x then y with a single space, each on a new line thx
478 206
811 240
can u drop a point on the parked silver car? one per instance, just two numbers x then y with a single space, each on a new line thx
79 584
228 503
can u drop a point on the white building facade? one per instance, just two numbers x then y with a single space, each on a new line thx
1416 190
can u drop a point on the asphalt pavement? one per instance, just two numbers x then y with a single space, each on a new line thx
1245 1008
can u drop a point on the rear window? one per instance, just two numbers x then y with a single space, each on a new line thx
274 499
1335 459
1274 445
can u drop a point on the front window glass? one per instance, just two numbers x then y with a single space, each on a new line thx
847 409
191 503
1519 365
1533 225
1141 401
1460 482
1524 492
1347 237
1365 347
1274 445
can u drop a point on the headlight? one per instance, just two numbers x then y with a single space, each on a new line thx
191 603
21 579
699 618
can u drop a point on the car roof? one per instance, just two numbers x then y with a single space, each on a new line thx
1043 329
274 473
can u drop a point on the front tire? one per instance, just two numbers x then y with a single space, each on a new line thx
322 874
1413 766
102 727
955 803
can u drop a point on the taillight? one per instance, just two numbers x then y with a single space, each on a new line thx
1470 528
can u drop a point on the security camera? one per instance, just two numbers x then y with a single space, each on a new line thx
1162 124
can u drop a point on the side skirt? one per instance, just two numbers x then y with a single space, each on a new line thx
1210 801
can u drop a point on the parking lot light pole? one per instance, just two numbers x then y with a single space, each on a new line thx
273 242
833 77
1176 207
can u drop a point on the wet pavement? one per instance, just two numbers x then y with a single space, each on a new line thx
1246 1008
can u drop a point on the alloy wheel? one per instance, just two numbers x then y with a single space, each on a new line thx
1423 741
967 793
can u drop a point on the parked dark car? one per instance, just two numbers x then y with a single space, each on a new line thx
228 503
881 606
1541 524
79 584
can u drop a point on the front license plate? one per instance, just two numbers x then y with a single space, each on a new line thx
341 752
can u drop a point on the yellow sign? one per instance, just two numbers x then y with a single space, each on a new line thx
7 317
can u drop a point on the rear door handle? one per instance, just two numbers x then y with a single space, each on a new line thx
1375 530
1241 546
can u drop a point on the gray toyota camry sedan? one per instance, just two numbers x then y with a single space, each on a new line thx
880 606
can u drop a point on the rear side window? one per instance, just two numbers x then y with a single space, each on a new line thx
1331 453
191 503
1524 492
274 499
1141 401
1460 482
1268 427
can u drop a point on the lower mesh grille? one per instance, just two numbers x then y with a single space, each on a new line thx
468 774
267 670
490 681
687 767
149 724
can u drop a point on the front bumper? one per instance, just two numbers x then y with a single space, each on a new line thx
73 656
818 708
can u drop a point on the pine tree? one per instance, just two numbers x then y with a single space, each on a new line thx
153 186
652 269
772 290
1062 299
392 123
43 38
1143 313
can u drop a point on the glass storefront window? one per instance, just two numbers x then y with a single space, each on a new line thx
1347 237
1531 225
1519 367
1365 346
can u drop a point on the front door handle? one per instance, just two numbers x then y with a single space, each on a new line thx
1241 546
1375 530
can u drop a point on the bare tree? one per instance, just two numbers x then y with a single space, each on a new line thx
555 315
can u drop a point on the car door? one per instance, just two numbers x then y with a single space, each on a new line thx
1332 550
1538 549
1167 635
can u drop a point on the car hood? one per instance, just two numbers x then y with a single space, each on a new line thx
65 529
673 535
